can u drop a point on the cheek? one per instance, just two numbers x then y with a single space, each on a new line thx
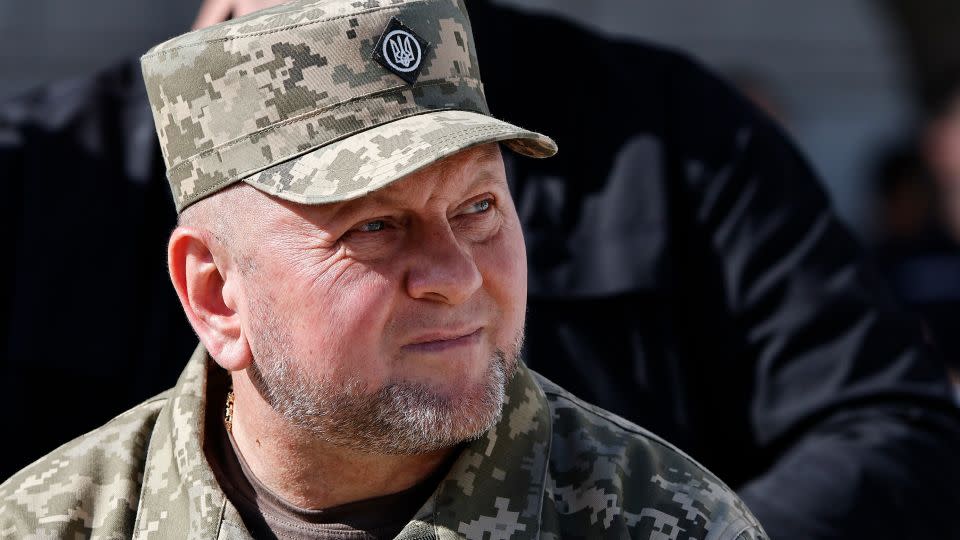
334 314
504 268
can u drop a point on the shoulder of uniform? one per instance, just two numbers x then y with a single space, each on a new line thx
89 484
581 411
631 479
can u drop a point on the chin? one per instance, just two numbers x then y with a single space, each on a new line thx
447 373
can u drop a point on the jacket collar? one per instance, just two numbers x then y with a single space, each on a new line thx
495 485
180 497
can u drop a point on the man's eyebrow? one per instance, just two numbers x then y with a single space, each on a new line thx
383 198
377 199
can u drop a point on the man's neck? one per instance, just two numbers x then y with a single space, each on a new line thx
309 473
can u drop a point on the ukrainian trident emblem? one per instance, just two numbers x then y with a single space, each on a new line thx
401 51
404 54
402 47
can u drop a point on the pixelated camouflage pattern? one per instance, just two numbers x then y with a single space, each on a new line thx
356 166
553 467
243 96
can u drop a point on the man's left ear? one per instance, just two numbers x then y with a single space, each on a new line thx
210 296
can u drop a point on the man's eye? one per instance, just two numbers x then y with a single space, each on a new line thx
372 226
481 206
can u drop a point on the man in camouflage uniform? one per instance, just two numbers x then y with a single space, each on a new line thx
350 257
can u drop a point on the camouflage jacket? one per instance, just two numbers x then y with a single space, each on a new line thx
553 467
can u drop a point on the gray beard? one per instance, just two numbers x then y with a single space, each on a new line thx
402 417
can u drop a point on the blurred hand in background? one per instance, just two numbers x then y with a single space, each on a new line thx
215 11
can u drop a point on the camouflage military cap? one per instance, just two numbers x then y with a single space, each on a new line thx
318 101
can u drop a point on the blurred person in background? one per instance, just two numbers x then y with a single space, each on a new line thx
941 152
685 271
914 246
917 232
941 147
688 272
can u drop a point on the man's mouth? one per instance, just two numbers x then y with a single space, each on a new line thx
443 341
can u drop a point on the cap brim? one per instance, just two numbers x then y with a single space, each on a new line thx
367 161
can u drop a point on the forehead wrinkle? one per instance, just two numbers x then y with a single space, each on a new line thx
477 155
310 219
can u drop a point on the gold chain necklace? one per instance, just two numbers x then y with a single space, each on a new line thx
228 413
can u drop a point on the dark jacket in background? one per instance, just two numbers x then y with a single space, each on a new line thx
686 271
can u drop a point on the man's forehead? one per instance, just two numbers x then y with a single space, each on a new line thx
455 173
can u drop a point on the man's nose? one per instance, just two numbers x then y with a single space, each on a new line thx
441 268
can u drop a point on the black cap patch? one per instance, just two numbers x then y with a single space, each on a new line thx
401 51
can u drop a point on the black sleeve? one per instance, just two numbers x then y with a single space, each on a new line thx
849 412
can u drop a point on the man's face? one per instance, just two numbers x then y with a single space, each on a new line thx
389 323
